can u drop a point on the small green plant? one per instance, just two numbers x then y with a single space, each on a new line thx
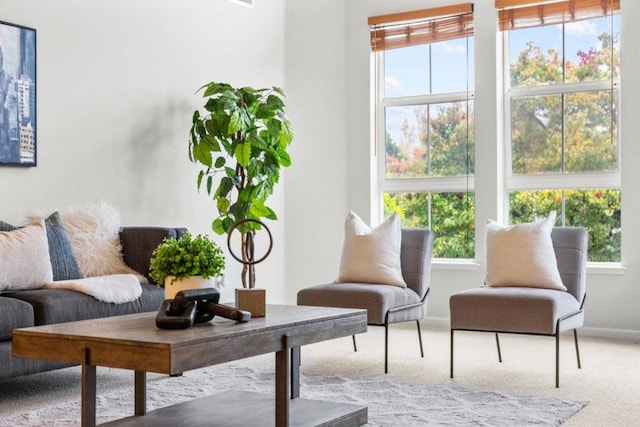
186 257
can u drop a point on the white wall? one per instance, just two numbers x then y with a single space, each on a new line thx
332 175
116 84
317 181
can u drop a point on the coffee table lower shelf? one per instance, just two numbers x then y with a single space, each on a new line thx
242 409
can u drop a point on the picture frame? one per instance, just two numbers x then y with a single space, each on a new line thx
18 87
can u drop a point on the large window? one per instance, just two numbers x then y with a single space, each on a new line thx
561 87
424 123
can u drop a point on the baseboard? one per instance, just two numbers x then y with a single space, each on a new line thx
623 334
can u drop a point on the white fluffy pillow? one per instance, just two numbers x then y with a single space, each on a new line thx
94 234
371 255
522 255
24 258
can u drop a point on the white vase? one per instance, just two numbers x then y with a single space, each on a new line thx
193 282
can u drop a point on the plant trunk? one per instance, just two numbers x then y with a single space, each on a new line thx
248 271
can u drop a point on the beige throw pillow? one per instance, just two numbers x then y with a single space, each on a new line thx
371 255
522 255
24 258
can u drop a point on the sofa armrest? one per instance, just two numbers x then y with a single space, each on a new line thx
138 243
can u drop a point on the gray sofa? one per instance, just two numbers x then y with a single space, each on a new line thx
27 308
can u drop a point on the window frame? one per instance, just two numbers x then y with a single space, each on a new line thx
555 181
429 184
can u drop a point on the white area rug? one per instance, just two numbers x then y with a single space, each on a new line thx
389 403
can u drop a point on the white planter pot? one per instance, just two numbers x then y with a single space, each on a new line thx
193 282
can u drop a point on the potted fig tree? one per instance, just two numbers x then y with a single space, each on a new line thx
186 263
241 140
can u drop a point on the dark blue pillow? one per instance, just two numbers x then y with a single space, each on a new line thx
63 261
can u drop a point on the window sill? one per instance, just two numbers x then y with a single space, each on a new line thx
598 268
606 268
454 264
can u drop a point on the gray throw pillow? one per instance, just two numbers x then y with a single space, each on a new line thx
63 260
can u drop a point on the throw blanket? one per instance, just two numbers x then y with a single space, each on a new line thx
113 288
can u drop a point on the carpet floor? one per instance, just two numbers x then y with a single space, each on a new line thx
417 392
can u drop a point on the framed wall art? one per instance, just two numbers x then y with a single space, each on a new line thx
18 145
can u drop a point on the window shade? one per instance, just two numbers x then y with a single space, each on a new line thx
517 14
421 26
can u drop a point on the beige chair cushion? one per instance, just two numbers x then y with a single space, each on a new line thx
376 299
513 309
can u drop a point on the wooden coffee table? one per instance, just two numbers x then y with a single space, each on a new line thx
134 342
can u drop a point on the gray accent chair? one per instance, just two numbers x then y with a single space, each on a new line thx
385 304
530 311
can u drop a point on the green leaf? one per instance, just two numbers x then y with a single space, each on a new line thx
200 176
202 154
258 209
271 215
243 154
274 127
227 223
286 135
226 184
209 184
280 91
217 226
220 162
235 122
223 205
285 159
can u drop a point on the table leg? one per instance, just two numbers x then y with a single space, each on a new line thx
295 372
140 387
283 383
88 395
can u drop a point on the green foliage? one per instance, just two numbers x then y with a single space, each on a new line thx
451 217
186 257
243 137
596 210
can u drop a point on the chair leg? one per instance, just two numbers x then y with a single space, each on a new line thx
498 345
575 338
420 339
451 356
557 359
355 347
386 347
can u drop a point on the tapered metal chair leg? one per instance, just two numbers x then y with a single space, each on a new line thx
451 356
355 347
575 338
498 345
557 359
420 339
386 348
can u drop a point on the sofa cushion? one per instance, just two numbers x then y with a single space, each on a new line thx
377 300
14 314
56 306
